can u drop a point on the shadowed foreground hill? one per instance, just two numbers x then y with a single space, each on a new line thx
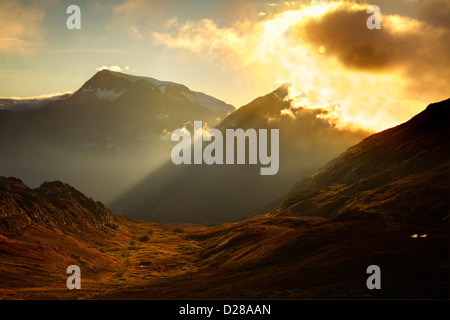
265 257
46 229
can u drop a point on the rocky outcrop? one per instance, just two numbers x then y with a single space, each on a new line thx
53 204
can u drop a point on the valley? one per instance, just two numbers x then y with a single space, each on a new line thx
180 152
312 240
260 258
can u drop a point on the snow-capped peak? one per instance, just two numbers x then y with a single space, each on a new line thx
198 98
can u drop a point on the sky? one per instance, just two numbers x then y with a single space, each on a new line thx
237 50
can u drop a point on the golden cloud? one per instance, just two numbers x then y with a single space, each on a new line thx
228 45
111 68
20 31
369 78
412 48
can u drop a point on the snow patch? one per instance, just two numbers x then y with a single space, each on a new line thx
199 98
110 95
162 88
153 82
206 101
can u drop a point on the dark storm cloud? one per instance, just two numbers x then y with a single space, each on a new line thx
417 48
433 12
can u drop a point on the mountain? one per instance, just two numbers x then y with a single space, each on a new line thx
45 230
383 202
110 85
224 193
53 204
400 173
105 136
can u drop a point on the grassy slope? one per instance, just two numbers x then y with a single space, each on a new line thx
264 257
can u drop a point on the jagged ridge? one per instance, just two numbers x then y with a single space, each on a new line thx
54 204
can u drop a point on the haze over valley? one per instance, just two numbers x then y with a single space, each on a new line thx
233 149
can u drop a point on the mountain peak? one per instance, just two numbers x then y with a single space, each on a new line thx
109 85
283 90
133 78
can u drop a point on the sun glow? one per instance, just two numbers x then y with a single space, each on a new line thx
327 54
287 112
349 98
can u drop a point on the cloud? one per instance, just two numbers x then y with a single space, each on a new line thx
371 78
287 112
434 12
226 44
111 68
133 6
42 96
20 104
20 31
156 11
240 44
411 47
136 33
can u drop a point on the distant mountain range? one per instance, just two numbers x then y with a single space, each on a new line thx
26 104
111 139
102 138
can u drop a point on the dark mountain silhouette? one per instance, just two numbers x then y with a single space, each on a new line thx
223 193
103 137
399 173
